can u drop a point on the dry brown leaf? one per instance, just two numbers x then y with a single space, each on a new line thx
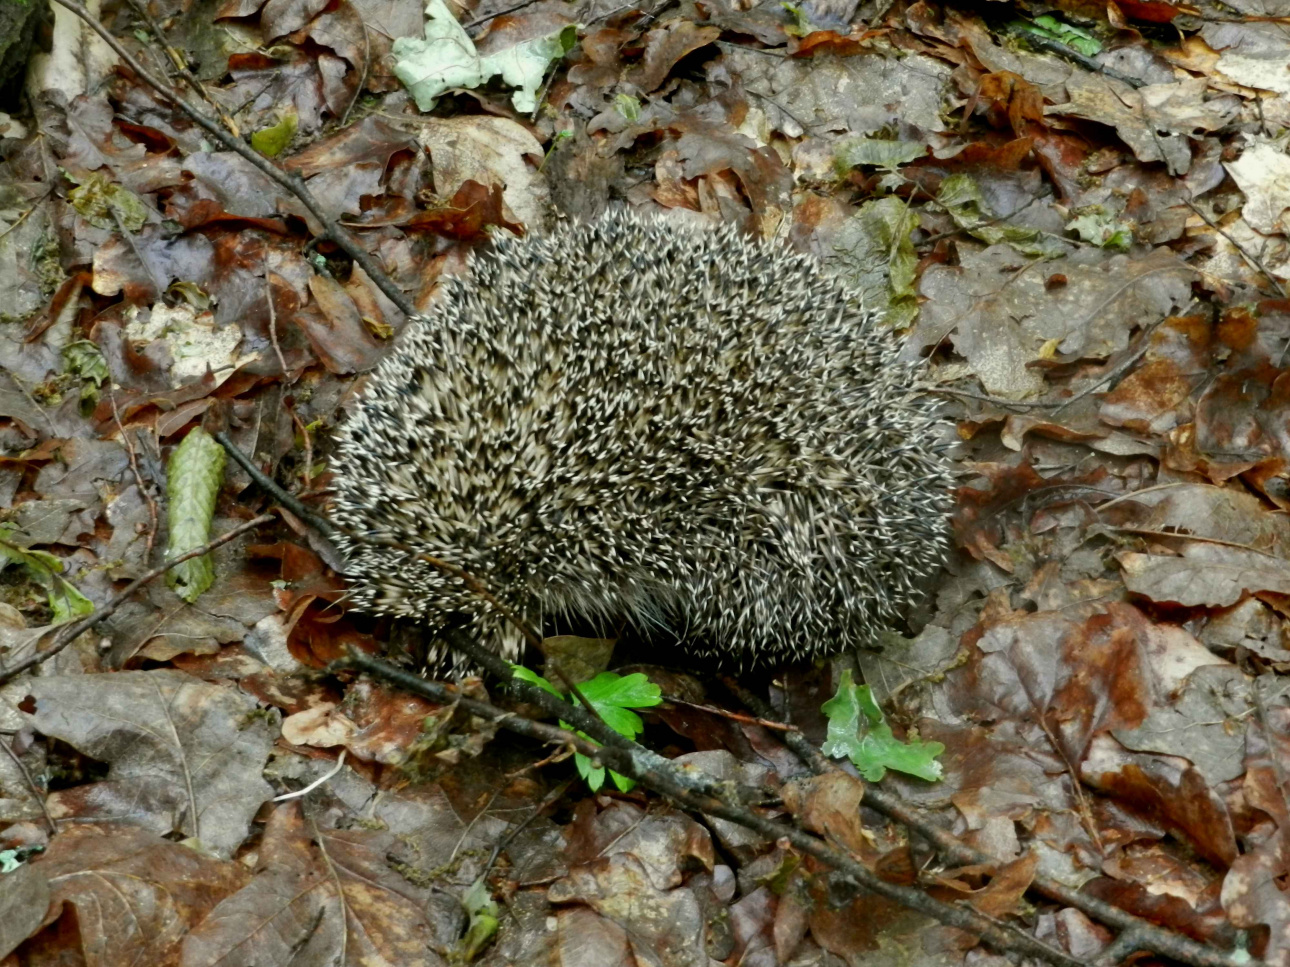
184 755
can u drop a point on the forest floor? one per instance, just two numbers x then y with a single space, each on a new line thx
1077 214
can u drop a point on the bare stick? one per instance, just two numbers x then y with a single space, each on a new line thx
1249 256
35 789
138 480
180 63
70 632
273 323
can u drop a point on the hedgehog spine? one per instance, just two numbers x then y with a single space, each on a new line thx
701 434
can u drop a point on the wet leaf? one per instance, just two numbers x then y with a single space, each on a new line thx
273 140
45 569
135 894
859 731
183 755
103 203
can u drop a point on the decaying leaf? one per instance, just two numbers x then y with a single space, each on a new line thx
183 755
194 476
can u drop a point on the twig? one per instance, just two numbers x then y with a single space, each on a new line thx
553 797
733 716
288 180
23 217
1082 807
1147 935
342 899
996 400
1116 371
53 430
309 447
1128 943
158 283
181 64
472 583
367 60
70 632
500 13
768 51
1274 758
35 789
883 7
271 487
1250 257
1064 50
546 88
1254 260
138 480
701 793
457 638
328 529
932 239
273 324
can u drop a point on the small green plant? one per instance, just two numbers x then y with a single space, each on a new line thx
82 358
482 910
859 731
613 696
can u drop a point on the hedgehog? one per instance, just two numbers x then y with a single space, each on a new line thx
634 422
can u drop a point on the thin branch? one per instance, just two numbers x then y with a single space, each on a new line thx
1113 374
273 323
68 633
501 13
552 797
341 898
288 180
181 64
771 724
331 530
138 479
1116 371
309 447
1254 260
23 217
1064 50
367 62
300 793
36 792
1249 256
271 487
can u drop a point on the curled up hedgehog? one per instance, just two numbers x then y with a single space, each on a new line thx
629 421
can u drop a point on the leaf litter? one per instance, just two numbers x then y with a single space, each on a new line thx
1079 218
